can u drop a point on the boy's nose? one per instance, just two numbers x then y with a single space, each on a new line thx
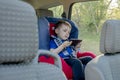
68 33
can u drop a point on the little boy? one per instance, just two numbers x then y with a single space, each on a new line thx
60 45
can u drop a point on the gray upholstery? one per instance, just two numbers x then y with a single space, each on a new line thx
110 37
19 45
18 31
33 71
107 65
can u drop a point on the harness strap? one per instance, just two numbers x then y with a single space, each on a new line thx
59 42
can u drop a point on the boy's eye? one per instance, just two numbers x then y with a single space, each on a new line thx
65 30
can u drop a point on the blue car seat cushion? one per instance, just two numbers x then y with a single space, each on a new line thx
44 37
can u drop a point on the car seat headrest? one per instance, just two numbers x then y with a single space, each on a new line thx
18 31
52 21
110 37
44 13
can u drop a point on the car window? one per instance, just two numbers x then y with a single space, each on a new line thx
57 11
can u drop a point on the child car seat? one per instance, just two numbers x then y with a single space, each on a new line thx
46 27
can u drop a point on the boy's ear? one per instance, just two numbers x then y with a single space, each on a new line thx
56 31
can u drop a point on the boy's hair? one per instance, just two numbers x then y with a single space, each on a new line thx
61 22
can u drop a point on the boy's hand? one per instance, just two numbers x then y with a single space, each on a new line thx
66 43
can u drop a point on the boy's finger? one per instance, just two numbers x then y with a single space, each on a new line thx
70 42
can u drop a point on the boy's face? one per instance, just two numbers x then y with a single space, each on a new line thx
63 32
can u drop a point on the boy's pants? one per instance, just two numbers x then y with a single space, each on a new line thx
77 68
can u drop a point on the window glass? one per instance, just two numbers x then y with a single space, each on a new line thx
57 11
90 16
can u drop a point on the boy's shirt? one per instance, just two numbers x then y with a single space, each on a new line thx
65 53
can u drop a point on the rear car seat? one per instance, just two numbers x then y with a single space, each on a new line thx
19 45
